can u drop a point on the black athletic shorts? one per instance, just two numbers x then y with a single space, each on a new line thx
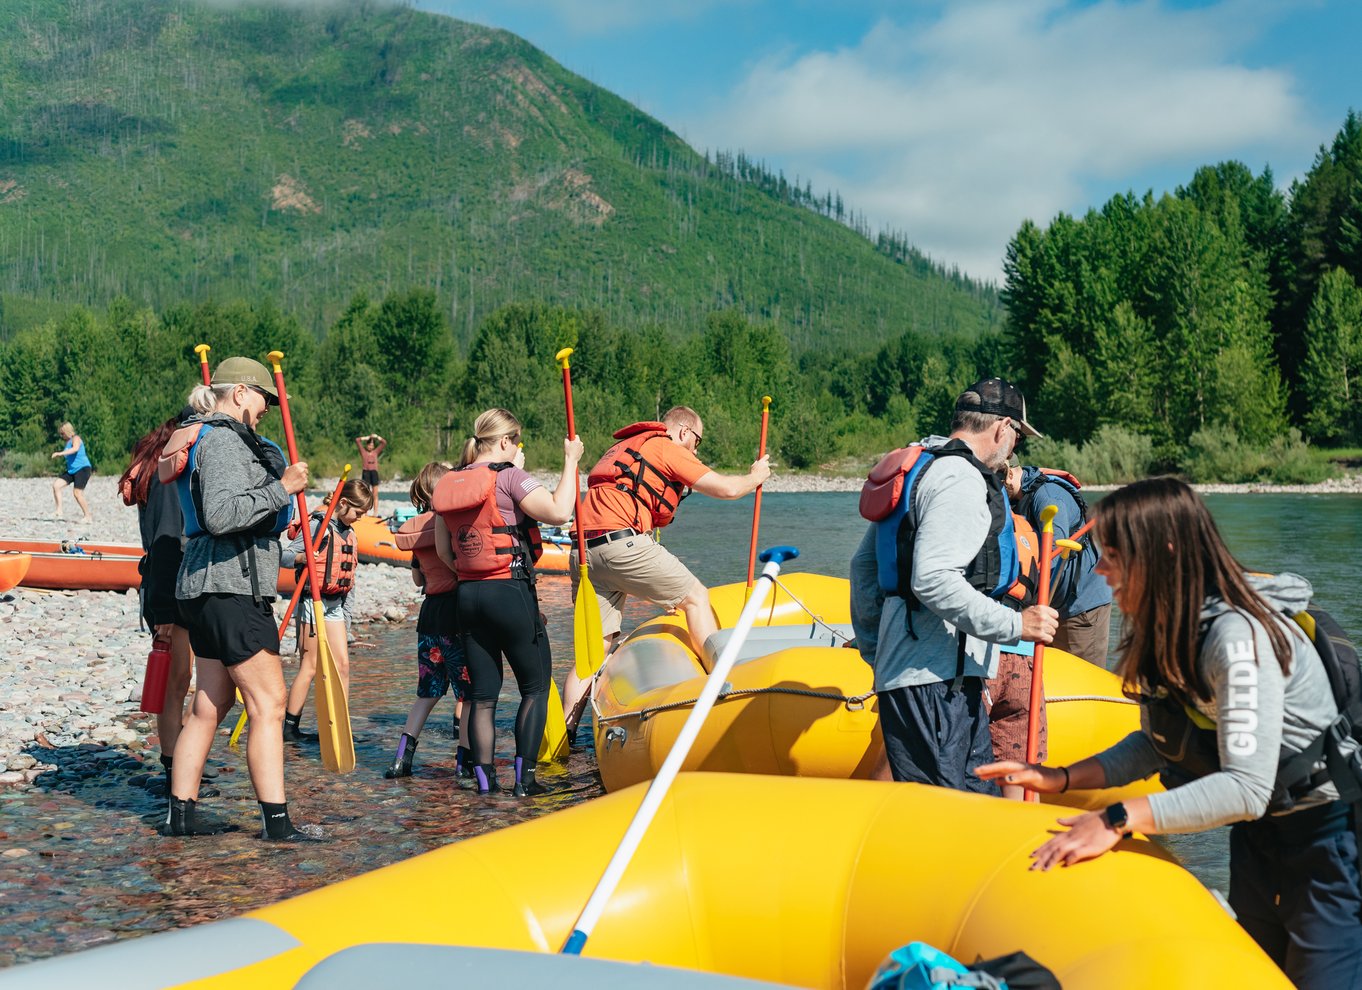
159 571
79 478
229 628
370 478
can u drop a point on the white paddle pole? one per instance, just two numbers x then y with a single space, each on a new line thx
657 790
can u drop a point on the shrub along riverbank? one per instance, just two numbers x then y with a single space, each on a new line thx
390 367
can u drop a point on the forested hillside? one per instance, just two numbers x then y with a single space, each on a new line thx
1221 321
186 151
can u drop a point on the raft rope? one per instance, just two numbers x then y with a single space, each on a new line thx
853 703
818 619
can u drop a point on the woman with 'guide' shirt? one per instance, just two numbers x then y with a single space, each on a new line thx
1232 692
487 532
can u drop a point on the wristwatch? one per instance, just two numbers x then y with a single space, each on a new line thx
1115 816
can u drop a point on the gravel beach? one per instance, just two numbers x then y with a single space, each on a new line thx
71 663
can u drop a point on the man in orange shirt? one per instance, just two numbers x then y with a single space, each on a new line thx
636 488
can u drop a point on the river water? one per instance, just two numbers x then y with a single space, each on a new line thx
95 870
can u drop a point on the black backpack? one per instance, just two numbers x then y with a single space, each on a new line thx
1341 663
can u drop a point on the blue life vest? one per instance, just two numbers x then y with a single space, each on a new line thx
267 453
887 501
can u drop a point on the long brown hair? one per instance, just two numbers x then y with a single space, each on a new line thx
1172 558
423 485
136 480
357 493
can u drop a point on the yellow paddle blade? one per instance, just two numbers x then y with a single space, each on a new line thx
553 748
333 710
586 629
240 722
236 732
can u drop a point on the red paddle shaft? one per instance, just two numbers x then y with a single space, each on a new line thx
756 504
298 587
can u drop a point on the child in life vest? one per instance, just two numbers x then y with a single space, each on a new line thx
440 665
337 562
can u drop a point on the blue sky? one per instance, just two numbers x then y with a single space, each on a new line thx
955 121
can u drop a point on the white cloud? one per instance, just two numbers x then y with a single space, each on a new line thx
957 129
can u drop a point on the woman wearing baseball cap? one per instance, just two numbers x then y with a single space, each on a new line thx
236 496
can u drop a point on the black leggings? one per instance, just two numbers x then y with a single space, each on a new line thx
501 618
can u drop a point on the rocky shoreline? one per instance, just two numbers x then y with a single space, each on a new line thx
71 663
1350 484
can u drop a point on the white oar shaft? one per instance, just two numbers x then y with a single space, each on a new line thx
671 766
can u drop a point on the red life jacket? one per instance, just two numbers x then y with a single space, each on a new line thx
335 560
418 536
485 546
624 466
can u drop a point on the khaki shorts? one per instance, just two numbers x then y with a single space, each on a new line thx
636 566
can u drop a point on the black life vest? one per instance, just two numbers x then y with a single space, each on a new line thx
179 462
625 467
1188 739
887 501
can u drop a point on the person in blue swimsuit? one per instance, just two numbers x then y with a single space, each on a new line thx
78 470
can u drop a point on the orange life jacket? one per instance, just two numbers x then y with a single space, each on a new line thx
418 536
624 466
1024 590
127 485
334 559
485 547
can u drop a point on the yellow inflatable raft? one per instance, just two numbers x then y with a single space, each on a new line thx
807 883
799 703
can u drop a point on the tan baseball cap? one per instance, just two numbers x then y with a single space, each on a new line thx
244 371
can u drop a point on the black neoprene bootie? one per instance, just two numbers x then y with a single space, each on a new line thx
182 819
406 749
463 762
276 826
157 787
486 776
525 784
292 733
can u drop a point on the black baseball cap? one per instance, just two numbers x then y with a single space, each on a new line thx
998 397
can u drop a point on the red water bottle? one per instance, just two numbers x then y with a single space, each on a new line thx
158 672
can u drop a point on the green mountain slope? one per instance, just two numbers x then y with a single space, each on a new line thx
180 151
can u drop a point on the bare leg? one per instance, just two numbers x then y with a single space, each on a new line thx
576 691
57 485
171 719
84 506
211 702
307 670
340 652
881 769
699 619
261 683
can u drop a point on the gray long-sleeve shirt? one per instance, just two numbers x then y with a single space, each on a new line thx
1256 709
238 493
950 506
